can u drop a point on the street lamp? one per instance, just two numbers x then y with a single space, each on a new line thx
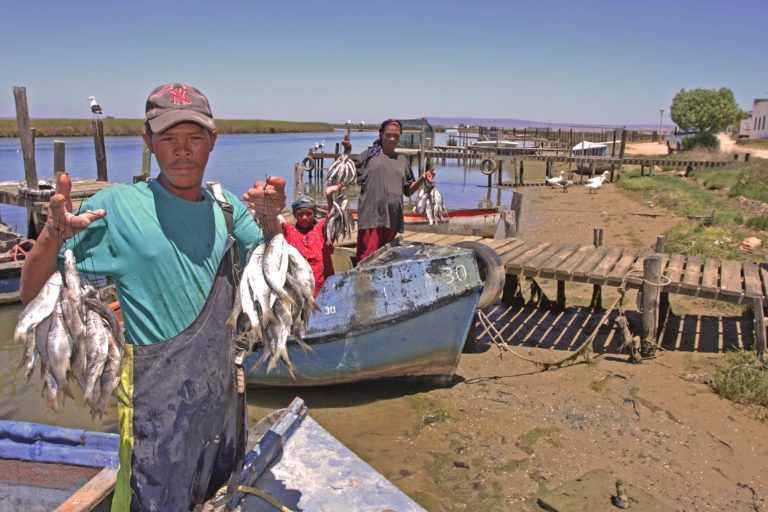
661 116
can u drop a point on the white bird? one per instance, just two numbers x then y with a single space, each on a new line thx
95 107
600 177
556 180
592 186
565 184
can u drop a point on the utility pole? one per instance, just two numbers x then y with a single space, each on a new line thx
661 117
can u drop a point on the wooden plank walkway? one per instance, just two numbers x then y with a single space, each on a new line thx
725 280
82 188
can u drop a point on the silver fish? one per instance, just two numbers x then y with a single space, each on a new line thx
40 308
72 280
76 330
97 351
275 266
59 351
110 377
280 349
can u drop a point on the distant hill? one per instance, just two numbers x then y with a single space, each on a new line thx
527 123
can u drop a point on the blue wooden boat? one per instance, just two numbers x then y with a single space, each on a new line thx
289 459
403 312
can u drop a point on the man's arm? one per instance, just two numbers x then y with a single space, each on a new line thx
429 175
40 262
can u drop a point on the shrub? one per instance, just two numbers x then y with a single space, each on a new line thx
742 378
760 222
701 140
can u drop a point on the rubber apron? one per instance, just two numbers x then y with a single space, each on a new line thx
179 440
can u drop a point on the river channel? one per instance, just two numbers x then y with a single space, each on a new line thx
366 417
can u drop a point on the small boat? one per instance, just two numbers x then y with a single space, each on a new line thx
13 249
290 459
505 147
591 149
43 467
403 312
481 222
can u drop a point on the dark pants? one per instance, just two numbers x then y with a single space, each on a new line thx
370 240
178 440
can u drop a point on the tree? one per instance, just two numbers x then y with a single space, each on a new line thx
705 110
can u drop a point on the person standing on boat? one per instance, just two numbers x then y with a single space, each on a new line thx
384 177
309 236
172 249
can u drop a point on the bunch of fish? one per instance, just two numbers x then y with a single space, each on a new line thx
429 203
342 170
274 300
73 334
340 221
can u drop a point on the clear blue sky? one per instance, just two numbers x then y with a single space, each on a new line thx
612 62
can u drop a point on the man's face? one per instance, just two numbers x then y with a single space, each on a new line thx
390 137
182 153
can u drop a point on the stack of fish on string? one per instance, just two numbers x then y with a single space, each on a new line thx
340 221
429 203
73 334
274 300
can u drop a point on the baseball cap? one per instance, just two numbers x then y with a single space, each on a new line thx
176 103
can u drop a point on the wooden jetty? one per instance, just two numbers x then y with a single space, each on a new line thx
656 273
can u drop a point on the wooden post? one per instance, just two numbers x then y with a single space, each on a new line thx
522 171
560 305
517 206
298 180
621 153
25 136
592 166
422 146
146 161
59 157
101 154
757 306
597 290
651 289
664 305
514 171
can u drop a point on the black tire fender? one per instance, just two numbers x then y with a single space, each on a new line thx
487 166
308 163
491 270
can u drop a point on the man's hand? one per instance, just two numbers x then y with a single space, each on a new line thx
429 175
332 189
347 144
267 199
61 221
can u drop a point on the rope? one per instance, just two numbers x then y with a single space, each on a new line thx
255 492
18 250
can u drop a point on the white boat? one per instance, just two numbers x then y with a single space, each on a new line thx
591 149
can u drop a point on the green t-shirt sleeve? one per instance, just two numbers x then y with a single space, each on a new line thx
246 231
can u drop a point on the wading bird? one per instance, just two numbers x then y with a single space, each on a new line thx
95 107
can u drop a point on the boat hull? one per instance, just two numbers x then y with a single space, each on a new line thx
405 312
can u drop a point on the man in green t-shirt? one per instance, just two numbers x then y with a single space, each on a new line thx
172 249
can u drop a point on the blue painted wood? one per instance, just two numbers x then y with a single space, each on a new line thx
405 312
47 443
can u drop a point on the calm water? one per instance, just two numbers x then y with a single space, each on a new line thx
237 161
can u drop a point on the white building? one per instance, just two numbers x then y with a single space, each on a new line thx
759 120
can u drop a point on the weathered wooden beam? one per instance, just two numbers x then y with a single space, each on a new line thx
25 136
757 305
59 157
651 289
101 155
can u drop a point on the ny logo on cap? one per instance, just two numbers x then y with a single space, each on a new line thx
177 95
